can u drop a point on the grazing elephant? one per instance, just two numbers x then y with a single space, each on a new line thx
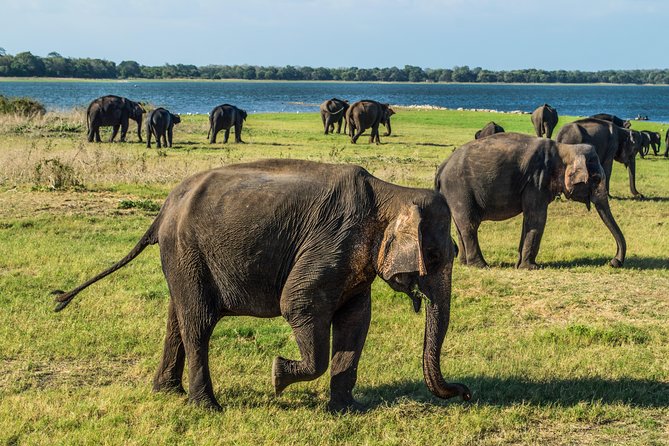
113 111
489 129
612 118
302 240
368 114
160 123
226 116
544 120
651 140
612 142
500 176
333 111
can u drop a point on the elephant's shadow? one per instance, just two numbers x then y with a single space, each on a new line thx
507 391
632 262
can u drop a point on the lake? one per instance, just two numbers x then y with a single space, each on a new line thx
626 101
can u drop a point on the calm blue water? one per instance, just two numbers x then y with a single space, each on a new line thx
260 97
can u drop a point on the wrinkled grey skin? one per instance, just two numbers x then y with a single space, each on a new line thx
114 111
302 240
651 140
226 116
368 114
544 120
611 142
614 119
333 111
503 175
489 129
160 123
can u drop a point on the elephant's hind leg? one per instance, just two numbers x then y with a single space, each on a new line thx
349 331
170 371
468 232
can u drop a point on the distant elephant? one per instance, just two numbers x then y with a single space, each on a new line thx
305 241
503 175
489 129
333 111
612 118
368 114
160 123
544 120
226 116
652 140
113 111
612 142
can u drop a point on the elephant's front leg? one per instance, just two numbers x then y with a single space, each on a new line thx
114 133
535 212
349 331
226 135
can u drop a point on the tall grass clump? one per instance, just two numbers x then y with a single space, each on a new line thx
21 106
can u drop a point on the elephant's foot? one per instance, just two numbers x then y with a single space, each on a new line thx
279 379
527 265
172 386
638 196
337 406
205 401
478 263
616 263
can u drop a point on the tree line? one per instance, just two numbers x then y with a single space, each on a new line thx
26 64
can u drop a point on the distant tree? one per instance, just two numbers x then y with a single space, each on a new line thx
25 64
414 74
3 52
129 68
53 54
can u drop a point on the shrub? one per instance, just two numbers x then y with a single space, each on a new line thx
21 106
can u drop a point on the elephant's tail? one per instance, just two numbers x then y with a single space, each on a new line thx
149 238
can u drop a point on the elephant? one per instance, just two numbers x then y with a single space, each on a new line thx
368 114
544 120
113 111
226 116
489 129
651 140
333 111
160 123
503 175
303 240
612 142
666 144
614 119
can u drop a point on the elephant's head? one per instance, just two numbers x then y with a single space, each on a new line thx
583 180
416 257
385 118
630 142
243 114
176 119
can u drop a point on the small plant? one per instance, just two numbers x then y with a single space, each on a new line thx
145 205
55 174
335 152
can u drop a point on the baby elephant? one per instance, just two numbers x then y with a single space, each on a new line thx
224 117
160 124
503 175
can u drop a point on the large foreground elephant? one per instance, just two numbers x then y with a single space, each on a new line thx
114 111
333 111
611 142
224 117
544 119
302 240
160 123
503 175
368 114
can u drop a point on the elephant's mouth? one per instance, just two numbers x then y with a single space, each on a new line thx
580 193
407 283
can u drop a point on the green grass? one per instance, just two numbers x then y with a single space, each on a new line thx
574 353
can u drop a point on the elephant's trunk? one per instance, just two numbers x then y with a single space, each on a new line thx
389 130
631 172
139 127
601 202
437 314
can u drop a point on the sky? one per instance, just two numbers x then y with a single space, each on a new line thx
587 35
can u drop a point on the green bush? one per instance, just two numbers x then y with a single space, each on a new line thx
21 106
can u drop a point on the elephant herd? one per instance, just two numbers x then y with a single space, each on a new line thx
305 240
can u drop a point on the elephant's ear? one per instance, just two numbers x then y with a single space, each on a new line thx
401 249
576 172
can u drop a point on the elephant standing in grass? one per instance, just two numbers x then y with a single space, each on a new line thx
302 240
367 114
226 116
333 111
544 120
160 123
611 142
489 129
503 175
651 140
114 111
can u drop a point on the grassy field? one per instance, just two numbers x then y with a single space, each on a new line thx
574 353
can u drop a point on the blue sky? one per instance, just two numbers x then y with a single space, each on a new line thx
493 34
